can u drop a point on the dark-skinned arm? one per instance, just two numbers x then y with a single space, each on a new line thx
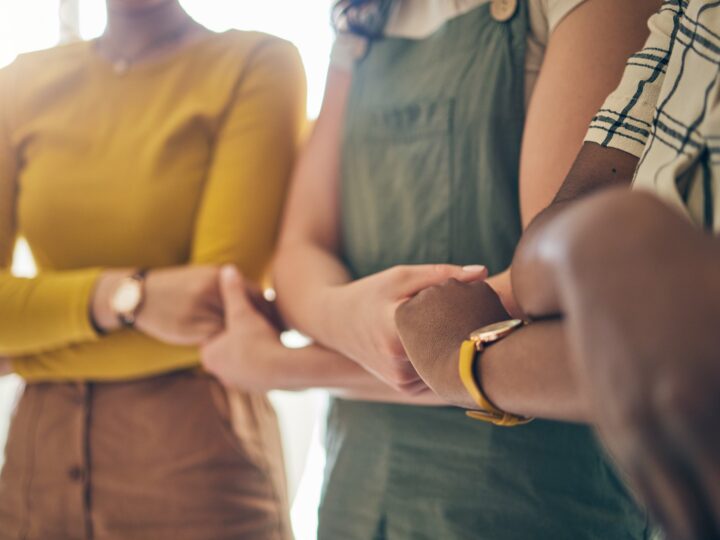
531 349
527 373
609 161
433 325
596 168
640 298
619 132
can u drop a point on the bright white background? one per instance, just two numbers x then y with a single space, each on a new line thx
27 25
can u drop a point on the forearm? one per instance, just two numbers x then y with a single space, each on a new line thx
532 275
47 312
304 274
619 261
113 355
317 367
377 391
658 259
314 366
122 355
307 261
529 373
179 308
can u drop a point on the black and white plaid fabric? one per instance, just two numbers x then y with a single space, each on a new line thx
667 109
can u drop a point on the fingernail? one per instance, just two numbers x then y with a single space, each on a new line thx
229 272
474 268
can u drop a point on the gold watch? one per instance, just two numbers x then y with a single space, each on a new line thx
470 353
128 298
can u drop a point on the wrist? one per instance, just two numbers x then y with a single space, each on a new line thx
293 369
102 315
473 354
332 323
502 285
279 371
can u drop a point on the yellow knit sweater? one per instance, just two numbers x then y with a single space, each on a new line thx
183 159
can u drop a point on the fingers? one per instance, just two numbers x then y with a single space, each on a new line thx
235 299
398 374
213 356
416 388
409 280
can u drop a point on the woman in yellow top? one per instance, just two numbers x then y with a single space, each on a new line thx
162 147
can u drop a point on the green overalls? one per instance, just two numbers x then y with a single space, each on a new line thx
429 175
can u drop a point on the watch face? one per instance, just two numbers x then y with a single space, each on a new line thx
127 297
493 332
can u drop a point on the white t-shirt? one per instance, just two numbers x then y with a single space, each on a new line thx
418 19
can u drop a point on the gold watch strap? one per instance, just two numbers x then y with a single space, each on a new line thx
488 412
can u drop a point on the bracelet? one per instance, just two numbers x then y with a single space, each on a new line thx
469 355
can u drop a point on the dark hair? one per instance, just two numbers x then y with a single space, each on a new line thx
364 17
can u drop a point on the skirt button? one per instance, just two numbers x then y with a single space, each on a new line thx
76 474
503 10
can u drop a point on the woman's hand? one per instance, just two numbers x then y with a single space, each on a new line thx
243 355
249 355
182 305
361 317
434 324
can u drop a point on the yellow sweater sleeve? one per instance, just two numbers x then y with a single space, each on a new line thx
252 163
237 219
51 310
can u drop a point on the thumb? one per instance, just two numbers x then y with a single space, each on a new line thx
232 289
413 279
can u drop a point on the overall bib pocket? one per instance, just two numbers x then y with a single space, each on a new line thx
397 143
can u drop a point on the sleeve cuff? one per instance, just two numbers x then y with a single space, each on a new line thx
81 324
622 124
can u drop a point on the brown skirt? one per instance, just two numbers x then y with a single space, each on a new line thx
173 457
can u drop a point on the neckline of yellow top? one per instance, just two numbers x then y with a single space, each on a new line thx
123 67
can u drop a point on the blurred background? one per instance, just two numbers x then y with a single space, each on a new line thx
27 25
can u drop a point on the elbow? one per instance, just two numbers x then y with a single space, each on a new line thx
612 229
534 269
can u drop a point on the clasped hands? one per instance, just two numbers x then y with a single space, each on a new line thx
238 330
362 315
206 306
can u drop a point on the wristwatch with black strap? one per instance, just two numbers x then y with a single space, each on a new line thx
128 298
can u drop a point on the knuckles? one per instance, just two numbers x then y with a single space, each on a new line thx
404 380
391 348
400 274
